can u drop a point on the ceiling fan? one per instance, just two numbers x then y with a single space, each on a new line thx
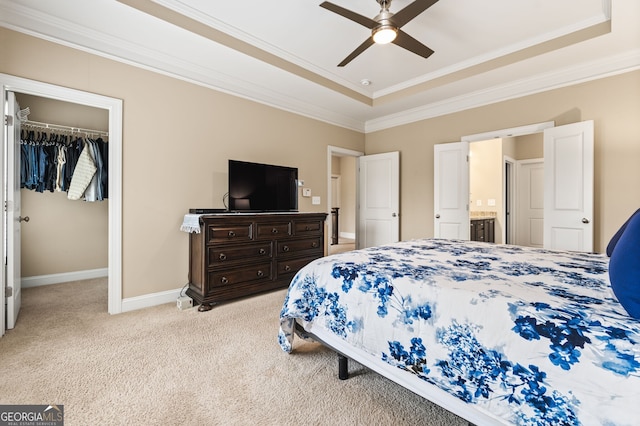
385 27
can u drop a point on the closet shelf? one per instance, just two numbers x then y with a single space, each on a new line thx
48 126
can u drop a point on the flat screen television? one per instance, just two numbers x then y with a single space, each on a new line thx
255 187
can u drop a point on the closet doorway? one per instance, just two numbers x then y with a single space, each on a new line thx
66 237
113 108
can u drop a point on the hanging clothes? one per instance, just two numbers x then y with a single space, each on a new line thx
49 163
94 190
60 166
83 174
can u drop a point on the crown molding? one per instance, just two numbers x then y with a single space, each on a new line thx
49 28
601 68
44 26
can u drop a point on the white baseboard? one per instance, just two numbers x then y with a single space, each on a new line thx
149 300
349 235
64 277
128 304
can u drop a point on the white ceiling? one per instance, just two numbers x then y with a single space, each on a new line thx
285 53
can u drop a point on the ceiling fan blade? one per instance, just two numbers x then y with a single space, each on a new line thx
414 9
411 44
364 46
362 20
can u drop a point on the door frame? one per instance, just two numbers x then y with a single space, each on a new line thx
336 151
113 106
509 181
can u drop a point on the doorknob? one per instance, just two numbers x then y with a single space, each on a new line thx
438 216
394 214
585 220
23 219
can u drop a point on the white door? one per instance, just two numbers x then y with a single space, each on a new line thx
378 199
568 187
451 190
12 214
530 203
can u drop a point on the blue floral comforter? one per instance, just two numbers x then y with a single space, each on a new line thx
532 336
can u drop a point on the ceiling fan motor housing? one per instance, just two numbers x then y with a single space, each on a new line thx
384 4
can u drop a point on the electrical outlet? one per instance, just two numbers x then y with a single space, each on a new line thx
315 200
184 302
306 192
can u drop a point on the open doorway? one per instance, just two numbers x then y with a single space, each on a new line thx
54 242
113 108
507 185
342 194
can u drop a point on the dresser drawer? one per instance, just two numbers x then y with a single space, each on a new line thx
247 274
274 230
309 227
222 254
227 233
300 246
291 266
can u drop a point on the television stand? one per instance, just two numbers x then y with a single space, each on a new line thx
238 255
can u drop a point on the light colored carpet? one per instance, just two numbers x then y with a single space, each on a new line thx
343 245
162 366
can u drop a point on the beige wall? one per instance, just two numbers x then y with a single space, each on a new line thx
177 139
529 147
614 105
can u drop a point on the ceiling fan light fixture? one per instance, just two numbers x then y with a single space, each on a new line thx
384 34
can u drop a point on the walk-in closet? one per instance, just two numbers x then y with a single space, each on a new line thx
67 233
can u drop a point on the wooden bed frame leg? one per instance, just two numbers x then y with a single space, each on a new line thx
343 367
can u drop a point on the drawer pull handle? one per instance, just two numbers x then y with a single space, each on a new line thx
224 280
222 256
260 274
307 228
287 268
285 248
314 244
274 231
232 234
262 251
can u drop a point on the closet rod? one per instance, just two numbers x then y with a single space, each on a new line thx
64 128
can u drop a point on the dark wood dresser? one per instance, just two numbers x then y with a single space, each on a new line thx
483 229
239 254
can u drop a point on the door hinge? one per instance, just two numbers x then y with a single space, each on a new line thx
8 120
8 292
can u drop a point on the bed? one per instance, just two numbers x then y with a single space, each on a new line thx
497 334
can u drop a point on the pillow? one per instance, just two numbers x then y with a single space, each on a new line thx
624 267
616 237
